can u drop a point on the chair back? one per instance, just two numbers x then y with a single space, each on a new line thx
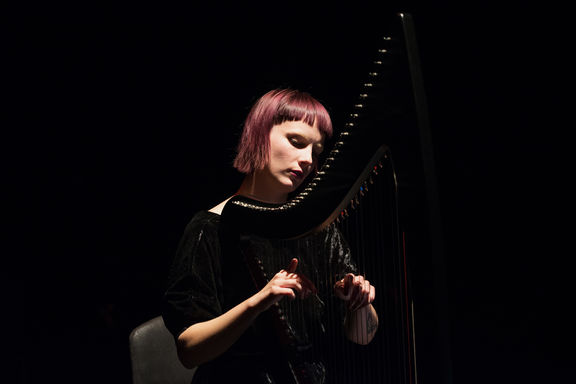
153 355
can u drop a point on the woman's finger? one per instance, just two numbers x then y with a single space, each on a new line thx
355 293
293 265
348 284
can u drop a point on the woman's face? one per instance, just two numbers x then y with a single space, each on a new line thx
294 149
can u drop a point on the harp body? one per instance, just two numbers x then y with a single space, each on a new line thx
353 198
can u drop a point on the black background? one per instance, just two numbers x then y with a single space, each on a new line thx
122 122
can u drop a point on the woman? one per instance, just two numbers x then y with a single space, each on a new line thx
217 320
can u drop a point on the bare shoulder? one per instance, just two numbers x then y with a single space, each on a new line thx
218 208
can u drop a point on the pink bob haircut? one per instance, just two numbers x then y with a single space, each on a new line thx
273 108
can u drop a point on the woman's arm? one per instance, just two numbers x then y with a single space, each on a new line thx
361 325
205 341
361 321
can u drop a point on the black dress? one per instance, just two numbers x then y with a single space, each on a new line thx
205 283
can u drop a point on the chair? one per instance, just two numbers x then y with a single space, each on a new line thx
153 355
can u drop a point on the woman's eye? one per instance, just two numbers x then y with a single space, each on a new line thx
295 142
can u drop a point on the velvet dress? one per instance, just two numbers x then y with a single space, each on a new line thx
208 277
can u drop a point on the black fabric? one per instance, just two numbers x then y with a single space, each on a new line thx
204 283
194 289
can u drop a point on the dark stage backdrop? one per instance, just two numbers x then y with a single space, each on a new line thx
122 123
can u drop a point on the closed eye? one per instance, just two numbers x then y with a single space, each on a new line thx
301 142
297 142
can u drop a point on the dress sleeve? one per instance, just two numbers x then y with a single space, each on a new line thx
194 288
340 255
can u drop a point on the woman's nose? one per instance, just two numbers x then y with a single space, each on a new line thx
306 156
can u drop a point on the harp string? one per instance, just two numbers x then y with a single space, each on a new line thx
374 235
371 230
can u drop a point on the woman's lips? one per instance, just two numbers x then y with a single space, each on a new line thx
297 174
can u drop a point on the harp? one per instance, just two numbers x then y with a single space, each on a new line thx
353 198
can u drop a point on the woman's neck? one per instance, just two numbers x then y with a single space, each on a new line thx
252 188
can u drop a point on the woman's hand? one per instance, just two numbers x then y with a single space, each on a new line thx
356 291
361 321
286 283
206 340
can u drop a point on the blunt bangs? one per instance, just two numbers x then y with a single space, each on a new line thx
301 106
